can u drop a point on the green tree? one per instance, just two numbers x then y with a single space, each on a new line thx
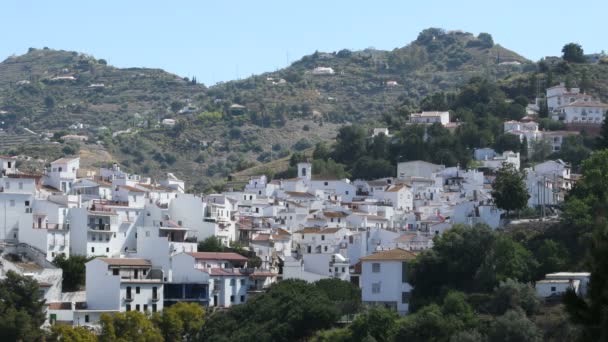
181 322
513 326
507 259
345 295
573 53
21 308
290 310
509 188
507 142
350 144
68 333
74 271
131 326
377 323
513 295
211 244
602 139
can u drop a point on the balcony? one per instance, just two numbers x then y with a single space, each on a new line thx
155 298
53 226
128 299
100 228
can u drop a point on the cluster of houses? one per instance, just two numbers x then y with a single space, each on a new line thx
143 235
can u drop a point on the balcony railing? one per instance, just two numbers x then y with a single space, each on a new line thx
54 226
128 299
100 227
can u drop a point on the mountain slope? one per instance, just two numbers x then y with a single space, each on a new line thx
233 125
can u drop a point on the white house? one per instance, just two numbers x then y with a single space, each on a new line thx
417 168
119 285
583 112
8 165
384 279
559 95
62 174
323 71
556 284
430 118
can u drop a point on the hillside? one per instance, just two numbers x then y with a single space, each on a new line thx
234 125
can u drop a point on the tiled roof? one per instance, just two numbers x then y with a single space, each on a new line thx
299 194
60 306
336 214
316 230
396 254
131 189
64 160
218 256
126 261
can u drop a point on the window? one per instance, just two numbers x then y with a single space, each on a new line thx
20 185
128 307
92 249
147 233
376 267
405 297
137 289
326 248
86 318
343 269
346 192
375 287
325 183
137 307
153 307
323 236
404 272
27 203
107 249
232 282
145 307
115 272
553 288
231 299
242 282
242 299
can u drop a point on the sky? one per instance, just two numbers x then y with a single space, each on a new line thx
223 40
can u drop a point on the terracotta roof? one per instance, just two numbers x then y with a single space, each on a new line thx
154 187
60 306
225 272
130 188
126 261
309 230
299 194
218 256
261 237
334 214
396 188
397 254
316 230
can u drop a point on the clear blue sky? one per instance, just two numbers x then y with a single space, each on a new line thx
220 40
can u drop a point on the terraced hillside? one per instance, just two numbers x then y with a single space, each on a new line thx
235 125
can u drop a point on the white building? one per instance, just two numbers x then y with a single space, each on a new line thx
559 95
556 284
509 157
119 285
417 168
583 112
430 118
62 174
8 165
323 71
384 279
